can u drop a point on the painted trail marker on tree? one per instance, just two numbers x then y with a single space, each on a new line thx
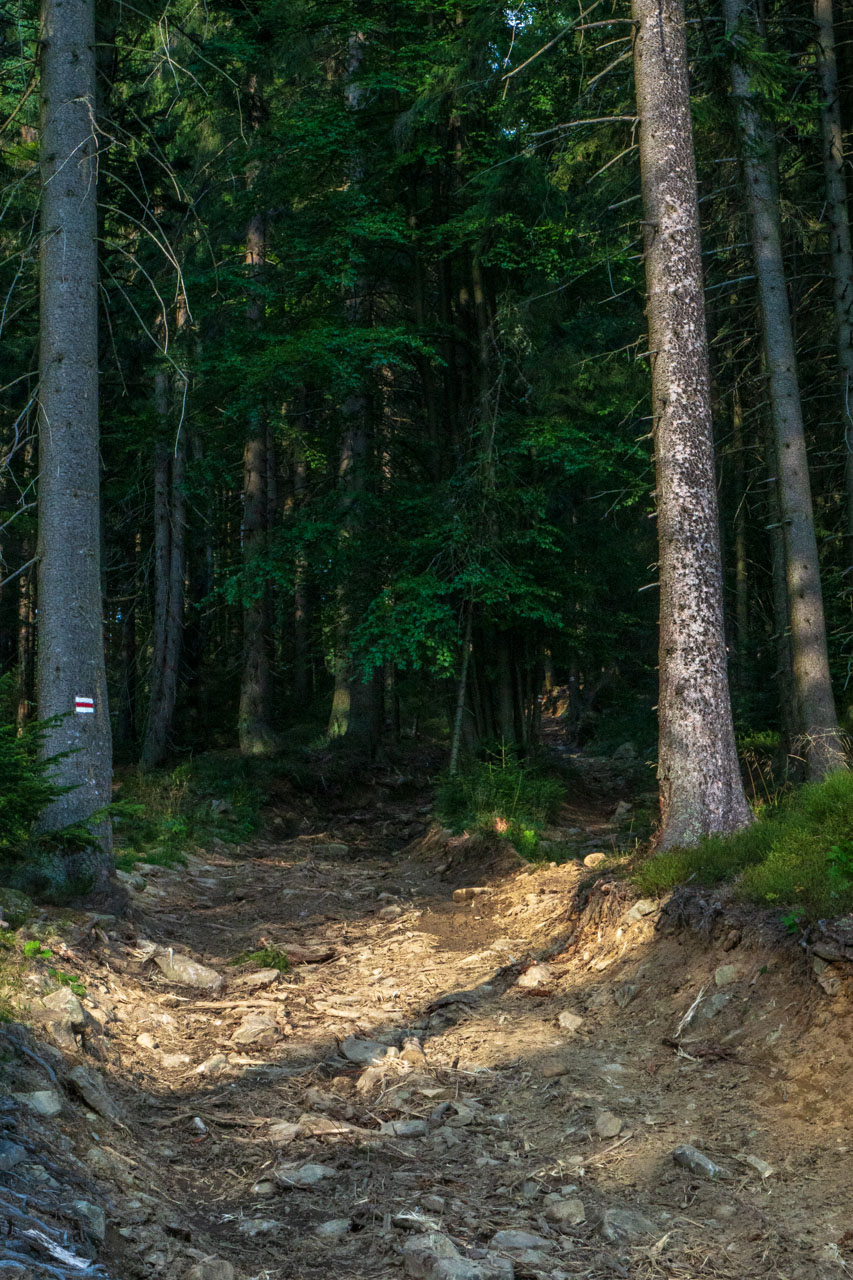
84 706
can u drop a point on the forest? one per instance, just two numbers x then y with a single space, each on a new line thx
426 639
370 372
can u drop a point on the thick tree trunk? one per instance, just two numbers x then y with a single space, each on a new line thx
701 787
71 644
821 743
841 253
783 677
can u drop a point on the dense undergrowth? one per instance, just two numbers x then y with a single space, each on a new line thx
162 815
797 855
501 794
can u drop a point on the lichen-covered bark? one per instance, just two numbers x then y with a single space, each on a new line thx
838 220
818 729
700 781
70 639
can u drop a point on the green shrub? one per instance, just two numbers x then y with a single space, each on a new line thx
163 814
798 854
501 794
25 783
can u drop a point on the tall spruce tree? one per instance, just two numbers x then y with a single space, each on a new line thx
71 670
701 787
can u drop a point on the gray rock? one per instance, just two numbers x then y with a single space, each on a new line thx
760 1166
625 752
211 1269
258 980
404 1128
92 1219
595 859
44 1102
515 1241
213 1066
725 974
15 907
716 1004
566 1213
332 850
61 1031
622 810
147 1041
697 1162
642 908
334 1229
93 1091
619 1226
10 1154
538 975
607 1125
256 1028
254 1227
434 1256
303 1177
37 1173
188 973
66 1003
624 994
569 1021
365 1053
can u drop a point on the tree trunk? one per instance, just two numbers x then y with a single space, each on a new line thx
302 685
783 677
841 254
743 648
71 644
168 613
821 743
461 696
701 787
26 640
256 734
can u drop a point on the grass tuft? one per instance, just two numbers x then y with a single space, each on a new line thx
266 958
501 795
798 854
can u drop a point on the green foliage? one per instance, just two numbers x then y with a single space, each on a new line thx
166 813
798 854
68 980
265 958
501 794
34 950
25 783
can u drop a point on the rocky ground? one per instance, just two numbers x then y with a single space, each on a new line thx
473 1070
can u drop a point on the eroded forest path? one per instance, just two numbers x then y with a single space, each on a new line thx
449 1084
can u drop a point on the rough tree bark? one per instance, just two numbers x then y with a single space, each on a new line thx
256 734
70 643
818 730
700 782
168 613
840 251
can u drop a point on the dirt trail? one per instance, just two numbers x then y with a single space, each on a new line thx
535 1079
